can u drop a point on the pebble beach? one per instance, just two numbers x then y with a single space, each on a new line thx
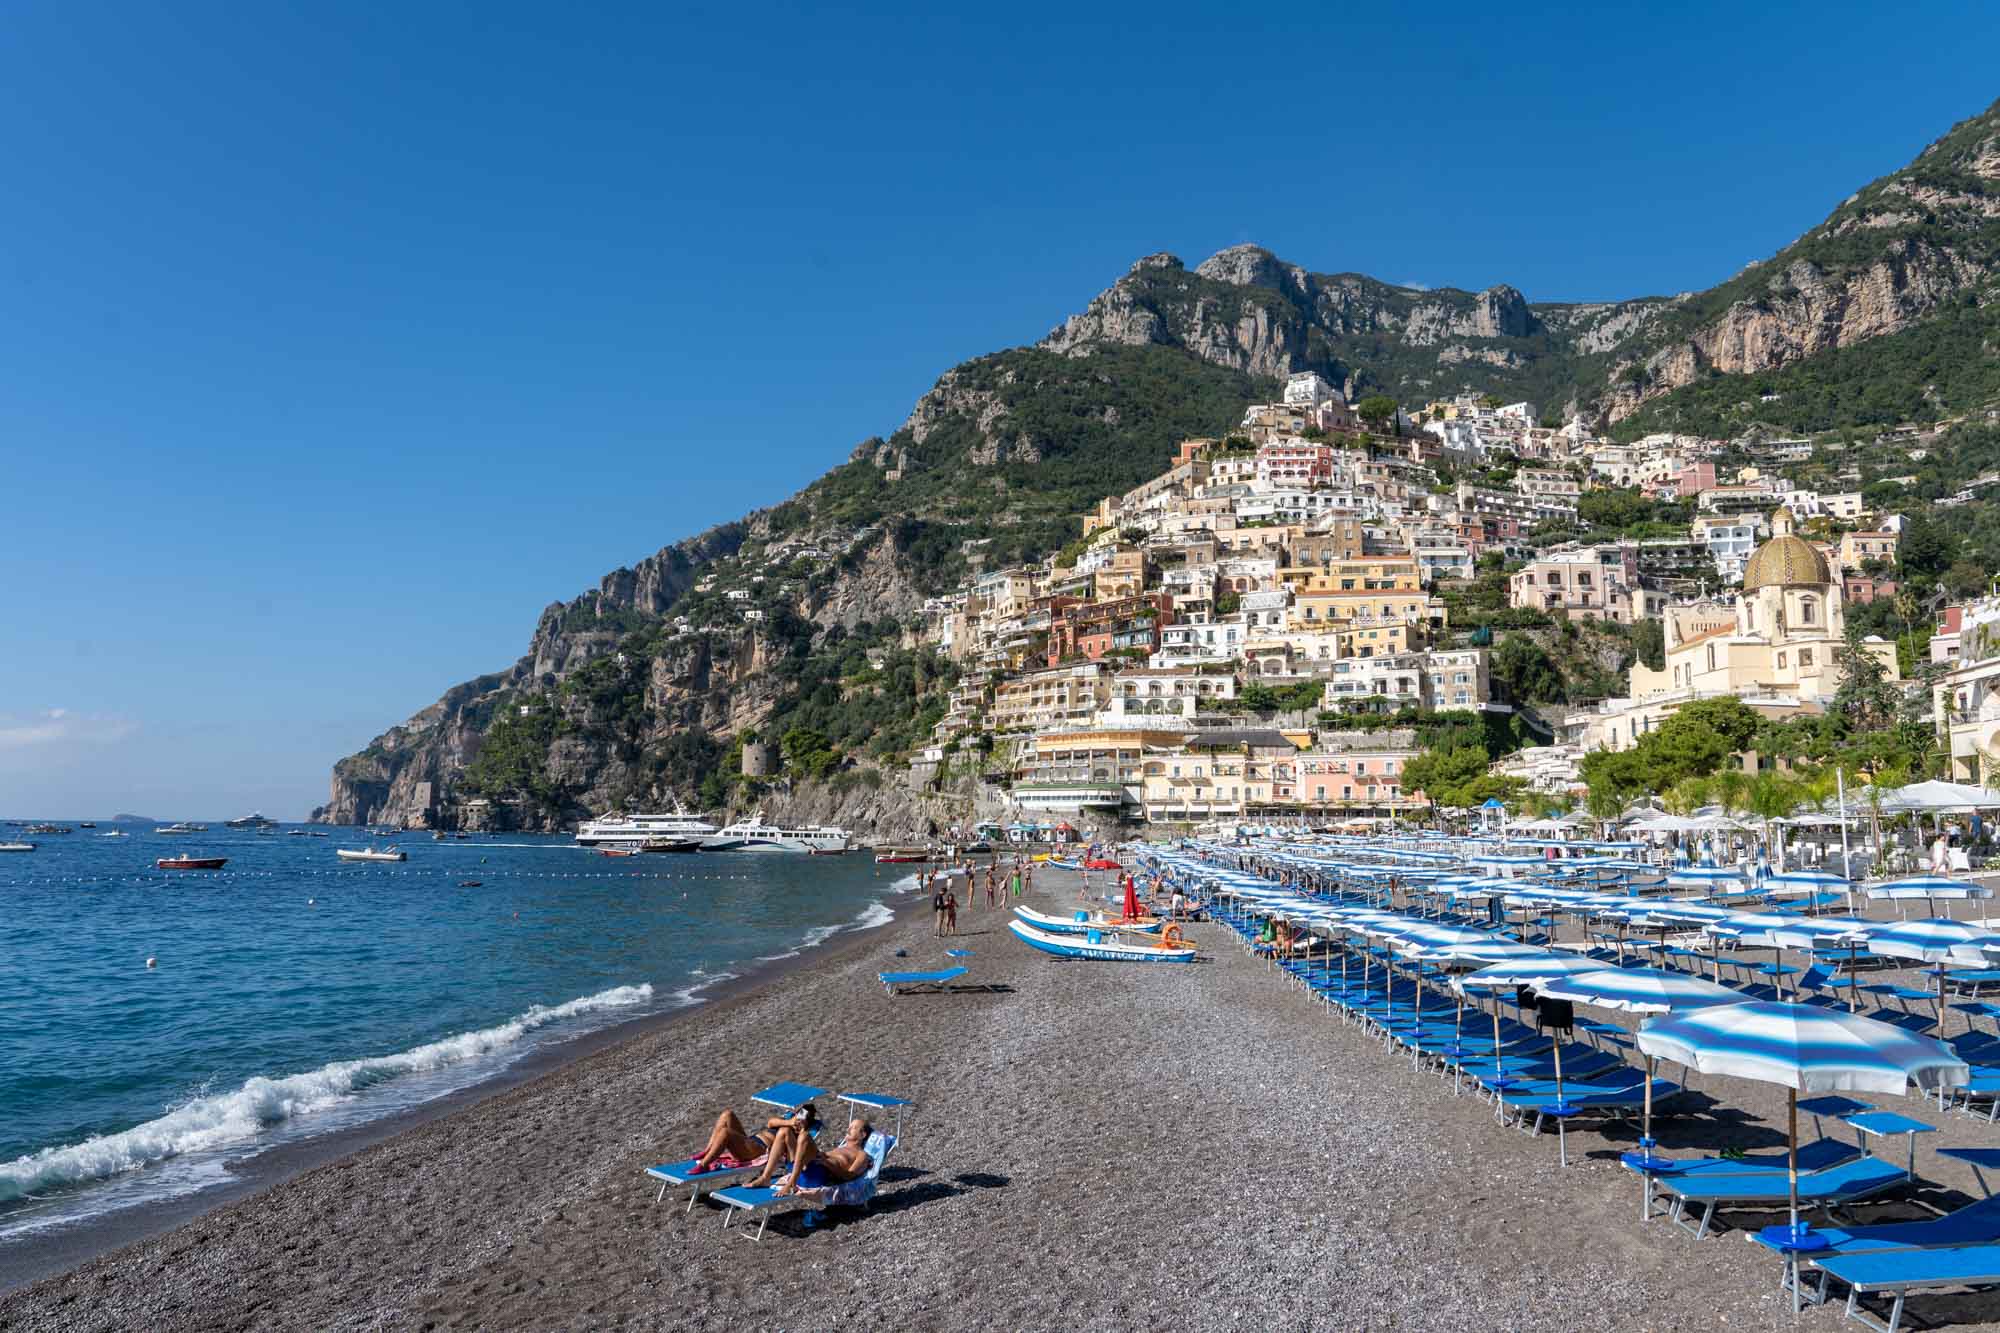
1092 1145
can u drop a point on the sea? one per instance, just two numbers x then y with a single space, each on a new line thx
158 1028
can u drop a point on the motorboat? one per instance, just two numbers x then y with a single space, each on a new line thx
665 845
17 846
755 835
370 854
1100 946
902 856
255 820
48 828
182 828
186 862
115 833
619 830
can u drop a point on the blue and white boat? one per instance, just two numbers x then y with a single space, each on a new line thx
1083 923
1099 946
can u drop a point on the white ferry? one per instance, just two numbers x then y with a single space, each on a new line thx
635 831
754 835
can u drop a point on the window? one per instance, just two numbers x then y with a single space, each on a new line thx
1781 661
1805 657
1808 610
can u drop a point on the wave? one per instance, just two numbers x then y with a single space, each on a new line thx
691 995
210 1122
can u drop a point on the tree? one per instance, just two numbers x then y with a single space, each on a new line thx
1926 548
1866 699
1526 671
1729 718
1446 776
1378 410
1649 644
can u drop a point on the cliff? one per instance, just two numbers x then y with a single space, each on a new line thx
793 623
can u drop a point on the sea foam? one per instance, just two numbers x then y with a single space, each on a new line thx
217 1121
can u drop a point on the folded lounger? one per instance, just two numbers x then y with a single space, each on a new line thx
1975 1224
854 1193
933 980
1897 1273
1834 1184
787 1096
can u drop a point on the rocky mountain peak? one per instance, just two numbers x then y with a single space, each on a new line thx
1246 266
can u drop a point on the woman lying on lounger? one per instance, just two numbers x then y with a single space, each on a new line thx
812 1167
730 1139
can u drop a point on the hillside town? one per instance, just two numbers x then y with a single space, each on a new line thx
1266 631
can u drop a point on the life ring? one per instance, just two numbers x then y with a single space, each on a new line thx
1170 938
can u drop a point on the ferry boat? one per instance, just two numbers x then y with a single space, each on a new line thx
186 862
754 835
256 820
635 831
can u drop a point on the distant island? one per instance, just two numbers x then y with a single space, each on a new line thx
133 819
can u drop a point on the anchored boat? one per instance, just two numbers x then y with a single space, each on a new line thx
370 854
185 862
1099 946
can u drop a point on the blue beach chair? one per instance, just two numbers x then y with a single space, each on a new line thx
1975 1224
856 1193
893 982
1844 1183
787 1096
1897 1273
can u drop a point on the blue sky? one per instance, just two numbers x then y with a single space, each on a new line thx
337 340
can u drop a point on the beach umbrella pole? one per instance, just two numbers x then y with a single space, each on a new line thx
1792 1158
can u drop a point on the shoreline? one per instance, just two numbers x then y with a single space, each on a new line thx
37 1256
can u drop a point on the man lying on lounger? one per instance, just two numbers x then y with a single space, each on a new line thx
814 1168
732 1140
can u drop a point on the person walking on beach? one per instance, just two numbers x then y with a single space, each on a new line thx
1028 877
937 909
951 909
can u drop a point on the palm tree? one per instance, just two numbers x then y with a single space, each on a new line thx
1774 796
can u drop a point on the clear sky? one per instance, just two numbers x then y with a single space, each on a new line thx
337 340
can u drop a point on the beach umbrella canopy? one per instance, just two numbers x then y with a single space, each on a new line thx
1939 795
1131 900
1527 972
1639 990
1927 887
1802 1048
1932 940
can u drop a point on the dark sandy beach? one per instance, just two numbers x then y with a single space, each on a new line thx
1094 1145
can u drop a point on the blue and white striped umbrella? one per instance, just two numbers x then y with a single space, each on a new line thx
1927 887
1527 972
1639 990
1932 940
1794 883
1492 949
1802 1048
1708 877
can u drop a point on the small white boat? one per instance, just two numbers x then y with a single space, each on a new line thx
1098 946
17 846
115 833
1056 925
370 854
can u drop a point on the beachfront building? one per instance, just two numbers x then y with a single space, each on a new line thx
1780 649
1053 697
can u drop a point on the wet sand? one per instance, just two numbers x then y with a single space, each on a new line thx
1094 1145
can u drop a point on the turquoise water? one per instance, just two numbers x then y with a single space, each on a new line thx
293 995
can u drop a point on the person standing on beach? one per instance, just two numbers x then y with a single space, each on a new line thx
937 909
951 909
1014 881
991 876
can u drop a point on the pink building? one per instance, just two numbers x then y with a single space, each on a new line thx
1294 464
1693 479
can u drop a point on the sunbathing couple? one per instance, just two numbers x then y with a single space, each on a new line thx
788 1139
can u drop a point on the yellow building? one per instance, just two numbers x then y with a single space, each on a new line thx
1785 639
1385 594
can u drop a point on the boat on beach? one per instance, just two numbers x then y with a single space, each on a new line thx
1056 925
186 862
370 854
1099 946
1060 862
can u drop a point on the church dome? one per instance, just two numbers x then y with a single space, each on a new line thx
1786 562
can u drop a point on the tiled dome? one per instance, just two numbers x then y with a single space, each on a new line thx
1786 562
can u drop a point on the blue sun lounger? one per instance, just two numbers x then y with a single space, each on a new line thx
932 980
1817 1189
1814 1156
1897 1273
1975 1224
788 1096
856 1193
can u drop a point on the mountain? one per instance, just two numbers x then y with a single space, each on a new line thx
1885 311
